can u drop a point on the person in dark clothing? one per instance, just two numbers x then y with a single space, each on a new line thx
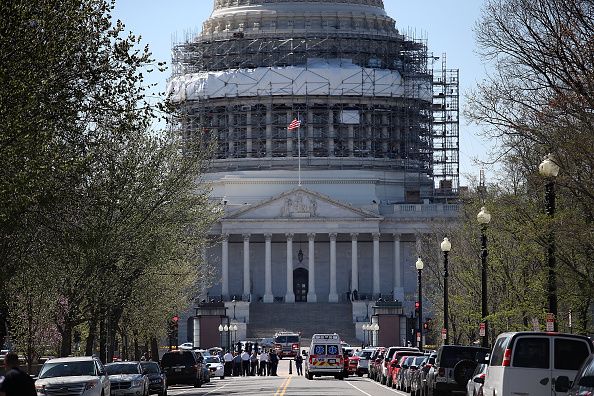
16 382
299 364
273 361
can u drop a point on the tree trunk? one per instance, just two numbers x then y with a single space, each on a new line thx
90 342
155 350
66 347
136 350
102 340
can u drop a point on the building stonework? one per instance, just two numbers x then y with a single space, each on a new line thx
314 213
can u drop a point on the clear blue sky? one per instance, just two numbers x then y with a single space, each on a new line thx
447 25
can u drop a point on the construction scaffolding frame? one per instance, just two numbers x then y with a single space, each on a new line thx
372 123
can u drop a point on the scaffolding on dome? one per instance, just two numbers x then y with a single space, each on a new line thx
390 111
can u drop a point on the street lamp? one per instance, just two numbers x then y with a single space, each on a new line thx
365 328
375 328
549 169
419 264
483 218
221 334
226 330
234 304
234 328
446 246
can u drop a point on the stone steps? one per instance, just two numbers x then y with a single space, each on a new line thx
307 319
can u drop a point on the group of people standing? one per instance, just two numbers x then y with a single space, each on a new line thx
254 363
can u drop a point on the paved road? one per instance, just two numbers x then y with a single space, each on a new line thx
287 385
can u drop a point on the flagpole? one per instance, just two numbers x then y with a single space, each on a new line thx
299 147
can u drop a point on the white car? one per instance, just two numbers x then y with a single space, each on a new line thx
84 376
127 379
186 346
215 367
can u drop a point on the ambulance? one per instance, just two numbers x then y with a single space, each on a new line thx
325 357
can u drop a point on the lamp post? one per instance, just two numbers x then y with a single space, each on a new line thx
364 328
226 330
549 169
234 334
234 304
446 246
375 335
483 218
221 334
419 265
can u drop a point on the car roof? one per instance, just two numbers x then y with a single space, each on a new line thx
73 359
124 362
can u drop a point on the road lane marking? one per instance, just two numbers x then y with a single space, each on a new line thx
385 387
360 390
216 389
283 387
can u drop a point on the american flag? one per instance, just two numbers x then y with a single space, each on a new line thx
294 124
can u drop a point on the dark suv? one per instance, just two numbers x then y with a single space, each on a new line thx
183 367
453 368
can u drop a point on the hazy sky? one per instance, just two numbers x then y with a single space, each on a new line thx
447 25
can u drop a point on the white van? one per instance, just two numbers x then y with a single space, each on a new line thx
325 357
529 363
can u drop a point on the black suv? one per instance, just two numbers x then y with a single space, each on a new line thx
453 368
183 367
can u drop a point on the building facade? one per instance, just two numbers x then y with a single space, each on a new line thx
332 209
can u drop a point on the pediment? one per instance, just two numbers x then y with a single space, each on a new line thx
301 203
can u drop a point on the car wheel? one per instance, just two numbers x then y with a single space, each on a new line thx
309 376
222 377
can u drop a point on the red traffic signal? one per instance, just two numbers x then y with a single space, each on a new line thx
417 305
175 318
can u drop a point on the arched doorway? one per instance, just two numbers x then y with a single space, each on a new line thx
300 284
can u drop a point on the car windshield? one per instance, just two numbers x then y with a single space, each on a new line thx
150 368
286 339
122 368
212 359
419 360
171 359
67 369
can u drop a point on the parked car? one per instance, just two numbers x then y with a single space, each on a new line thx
156 378
535 363
583 384
475 383
413 364
127 379
419 379
453 368
347 353
389 357
396 357
215 367
375 363
84 376
396 367
184 367
186 345
363 358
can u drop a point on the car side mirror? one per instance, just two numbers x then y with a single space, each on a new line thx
479 380
562 384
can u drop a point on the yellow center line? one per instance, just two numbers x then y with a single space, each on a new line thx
283 387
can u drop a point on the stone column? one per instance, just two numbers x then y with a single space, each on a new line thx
376 267
225 266
311 292
354 263
290 296
246 265
333 296
398 289
268 297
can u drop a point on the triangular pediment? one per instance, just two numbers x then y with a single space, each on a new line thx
301 203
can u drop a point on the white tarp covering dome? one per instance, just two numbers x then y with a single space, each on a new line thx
337 77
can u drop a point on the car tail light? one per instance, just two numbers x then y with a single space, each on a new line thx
441 372
295 346
506 358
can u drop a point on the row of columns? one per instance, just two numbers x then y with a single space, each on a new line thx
311 295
